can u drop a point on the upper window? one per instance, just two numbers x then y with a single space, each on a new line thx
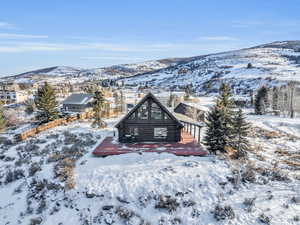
156 112
143 111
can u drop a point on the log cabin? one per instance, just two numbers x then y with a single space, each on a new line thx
149 121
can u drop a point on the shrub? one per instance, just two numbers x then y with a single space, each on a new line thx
167 202
223 212
264 219
13 175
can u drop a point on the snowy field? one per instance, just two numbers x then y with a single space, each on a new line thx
39 186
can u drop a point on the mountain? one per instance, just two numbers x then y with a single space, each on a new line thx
110 72
52 71
126 70
245 69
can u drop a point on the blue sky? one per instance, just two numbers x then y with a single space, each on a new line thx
94 33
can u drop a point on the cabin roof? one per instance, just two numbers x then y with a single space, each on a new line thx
193 105
79 98
149 95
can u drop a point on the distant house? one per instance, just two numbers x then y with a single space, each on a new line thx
75 103
11 92
191 110
149 121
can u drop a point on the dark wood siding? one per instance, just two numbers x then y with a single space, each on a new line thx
142 128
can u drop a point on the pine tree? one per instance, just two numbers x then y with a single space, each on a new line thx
30 106
2 119
220 123
226 104
240 132
46 104
216 138
261 101
98 106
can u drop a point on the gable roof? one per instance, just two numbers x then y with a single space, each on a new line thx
149 95
79 98
192 105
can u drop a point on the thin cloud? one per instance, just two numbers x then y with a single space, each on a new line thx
5 25
16 46
218 38
21 36
38 46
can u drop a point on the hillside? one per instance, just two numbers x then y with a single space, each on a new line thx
271 64
52 179
110 72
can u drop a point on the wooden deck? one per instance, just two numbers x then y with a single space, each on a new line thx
186 147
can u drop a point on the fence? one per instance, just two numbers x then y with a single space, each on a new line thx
33 131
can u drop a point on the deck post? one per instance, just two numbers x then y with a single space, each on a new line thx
199 134
191 127
194 131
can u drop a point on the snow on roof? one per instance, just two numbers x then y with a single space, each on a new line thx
197 106
79 98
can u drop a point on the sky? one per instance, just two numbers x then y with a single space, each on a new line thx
95 33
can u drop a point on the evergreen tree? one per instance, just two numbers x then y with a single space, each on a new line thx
46 104
219 122
249 66
98 106
240 131
30 106
226 104
216 138
261 101
2 119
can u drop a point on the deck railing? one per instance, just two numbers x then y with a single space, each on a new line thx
194 129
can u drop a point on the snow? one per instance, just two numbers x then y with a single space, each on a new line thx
275 123
271 66
135 181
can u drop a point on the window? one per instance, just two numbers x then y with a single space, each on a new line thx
133 131
143 111
156 112
160 132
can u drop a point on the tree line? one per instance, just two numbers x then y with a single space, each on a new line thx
280 100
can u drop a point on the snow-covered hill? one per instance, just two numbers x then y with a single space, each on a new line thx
271 64
111 72
52 71
53 179
124 70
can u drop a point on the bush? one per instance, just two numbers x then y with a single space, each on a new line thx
167 202
34 167
13 175
264 219
223 212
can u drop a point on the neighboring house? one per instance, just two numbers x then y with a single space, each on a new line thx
11 93
75 103
191 110
149 121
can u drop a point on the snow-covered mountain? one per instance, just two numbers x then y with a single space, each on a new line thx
244 69
52 71
110 72
125 70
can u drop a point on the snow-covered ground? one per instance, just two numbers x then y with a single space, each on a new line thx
148 188
271 65
286 125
